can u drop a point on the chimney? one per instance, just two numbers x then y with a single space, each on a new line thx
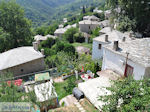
42 51
106 38
116 46
124 39
130 35
35 46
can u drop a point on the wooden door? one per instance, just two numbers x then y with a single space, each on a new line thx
128 70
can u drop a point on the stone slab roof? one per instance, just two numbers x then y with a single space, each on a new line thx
112 36
60 31
105 30
139 50
89 22
18 56
40 37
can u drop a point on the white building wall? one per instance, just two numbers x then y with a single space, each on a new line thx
115 62
96 52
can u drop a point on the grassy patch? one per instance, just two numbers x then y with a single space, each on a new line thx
60 87
88 106
82 44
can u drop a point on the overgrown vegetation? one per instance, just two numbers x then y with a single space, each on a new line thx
134 12
128 95
64 88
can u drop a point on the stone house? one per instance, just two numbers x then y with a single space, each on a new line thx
40 38
22 60
128 58
87 26
59 32
105 39
91 18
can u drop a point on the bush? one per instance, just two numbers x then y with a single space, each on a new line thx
127 95
51 61
47 43
78 37
49 52
64 46
69 34
68 48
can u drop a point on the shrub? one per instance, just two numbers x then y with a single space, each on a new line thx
47 43
127 95
69 34
78 37
51 61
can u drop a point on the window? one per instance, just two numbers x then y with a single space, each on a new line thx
22 70
99 46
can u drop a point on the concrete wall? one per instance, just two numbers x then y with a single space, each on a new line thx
114 62
87 27
30 67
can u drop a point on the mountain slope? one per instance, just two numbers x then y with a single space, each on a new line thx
42 11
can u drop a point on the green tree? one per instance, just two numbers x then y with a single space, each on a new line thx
41 30
83 10
14 23
69 34
136 10
51 29
4 40
128 95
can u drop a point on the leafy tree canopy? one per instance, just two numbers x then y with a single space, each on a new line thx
136 10
128 95
13 22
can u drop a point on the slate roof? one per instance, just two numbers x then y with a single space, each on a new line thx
105 30
112 36
139 50
18 56
89 22
40 37
60 31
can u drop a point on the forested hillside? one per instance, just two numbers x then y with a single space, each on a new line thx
44 11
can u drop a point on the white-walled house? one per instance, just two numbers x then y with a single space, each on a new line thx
87 25
128 58
105 39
